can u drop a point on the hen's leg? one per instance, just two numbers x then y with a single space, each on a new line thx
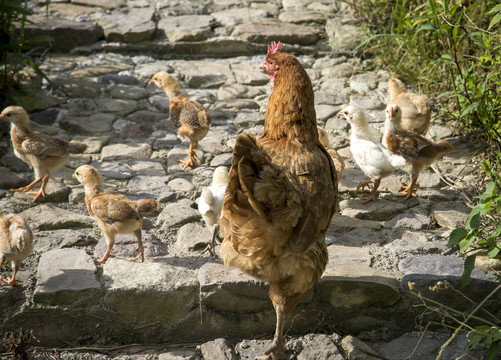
373 196
277 349
363 184
28 187
141 247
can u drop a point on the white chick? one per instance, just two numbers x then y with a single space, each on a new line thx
210 203
368 152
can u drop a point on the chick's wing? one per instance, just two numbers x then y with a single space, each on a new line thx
42 145
188 113
416 147
112 207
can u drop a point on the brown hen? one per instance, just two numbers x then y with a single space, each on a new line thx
43 152
188 116
417 150
281 196
16 244
114 212
416 108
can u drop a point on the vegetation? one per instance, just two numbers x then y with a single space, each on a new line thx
15 48
451 48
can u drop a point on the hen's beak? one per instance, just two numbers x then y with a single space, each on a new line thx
263 65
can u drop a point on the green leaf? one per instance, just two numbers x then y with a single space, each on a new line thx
474 341
495 9
473 220
466 242
494 21
470 108
493 253
469 264
493 350
456 236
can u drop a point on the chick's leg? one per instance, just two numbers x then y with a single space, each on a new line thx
28 187
192 153
363 184
2 259
41 192
111 241
141 247
12 280
373 196
409 190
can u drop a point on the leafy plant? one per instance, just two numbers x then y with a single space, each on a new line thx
481 231
15 48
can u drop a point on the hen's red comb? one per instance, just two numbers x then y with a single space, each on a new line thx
274 48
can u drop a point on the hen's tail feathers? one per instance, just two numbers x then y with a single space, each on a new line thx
146 206
75 147
444 147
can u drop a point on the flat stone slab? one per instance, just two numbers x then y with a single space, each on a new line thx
126 151
451 214
381 210
51 217
229 289
172 290
129 26
67 277
152 187
204 74
95 123
177 214
350 282
269 30
186 27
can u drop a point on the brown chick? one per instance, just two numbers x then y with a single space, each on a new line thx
281 196
114 212
336 158
188 116
417 150
16 244
416 108
43 152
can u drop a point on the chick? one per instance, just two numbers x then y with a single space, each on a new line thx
368 152
210 203
416 108
43 152
417 150
16 243
114 212
188 116
336 158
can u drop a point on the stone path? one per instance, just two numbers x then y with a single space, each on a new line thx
102 60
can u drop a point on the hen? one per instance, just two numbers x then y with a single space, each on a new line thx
210 203
188 116
114 212
416 108
368 152
336 158
281 195
16 244
417 151
43 152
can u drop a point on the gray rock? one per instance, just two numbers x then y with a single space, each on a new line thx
409 221
269 30
237 16
119 106
50 217
420 348
166 141
192 237
364 83
128 92
237 91
67 277
168 300
126 151
63 238
249 75
113 170
160 102
126 246
344 70
112 4
229 289
204 74
343 38
303 17
181 185
95 71
55 192
95 123
318 347
186 27
221 160
66 33
13 180
357 349
147 167
451 214
349 281
367 102
151 187
177 214
77 88
329 97
175 8
325 112
180 153
218 349
336 123
381 210
130 26
246 118
236 104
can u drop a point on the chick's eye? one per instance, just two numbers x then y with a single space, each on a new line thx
77 173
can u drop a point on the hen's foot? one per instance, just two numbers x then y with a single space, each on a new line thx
275 352
363 184
140 255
